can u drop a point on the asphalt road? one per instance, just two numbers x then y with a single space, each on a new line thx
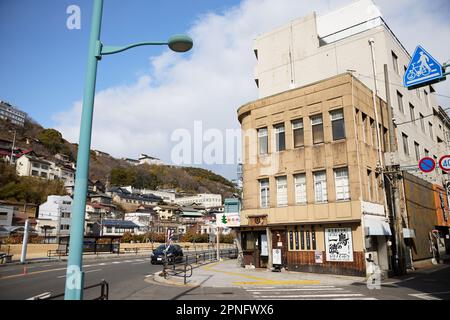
128 278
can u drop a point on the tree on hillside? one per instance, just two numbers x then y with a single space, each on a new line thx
122 176
27 189
51 139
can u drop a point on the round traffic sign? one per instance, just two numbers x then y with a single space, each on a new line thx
427 164
444 163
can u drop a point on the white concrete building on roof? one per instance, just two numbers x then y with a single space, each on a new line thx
145 159
314 48
207 200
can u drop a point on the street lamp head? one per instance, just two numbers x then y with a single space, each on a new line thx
180 43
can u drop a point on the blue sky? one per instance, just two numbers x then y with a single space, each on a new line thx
44 65
144 95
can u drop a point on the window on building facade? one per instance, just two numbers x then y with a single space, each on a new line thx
280 141
427 102
417 150
337 124
427 153
405 144
320 186
400 102
303 239
317 129
298 133
411 113
300 188
422 123
263 141
282 195
34 173
341 184
430 126
395 62
373 130
364 127
369 185
264 193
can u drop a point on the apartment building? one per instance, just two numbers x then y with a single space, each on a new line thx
54 217
311 186
31 165
8 112
207 200
313 48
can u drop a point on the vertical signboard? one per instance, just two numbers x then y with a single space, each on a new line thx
338 244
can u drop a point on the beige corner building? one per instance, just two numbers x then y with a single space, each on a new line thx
313 196
311 185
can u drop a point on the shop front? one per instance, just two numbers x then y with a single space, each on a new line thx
317 248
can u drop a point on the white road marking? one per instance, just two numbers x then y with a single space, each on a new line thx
139 262
299 289
427 296
116 262
314 296
95 270
101 264
368 298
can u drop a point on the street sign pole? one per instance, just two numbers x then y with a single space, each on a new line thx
74 279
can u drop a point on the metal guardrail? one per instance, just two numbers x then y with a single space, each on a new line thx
185 269
135 250
104 293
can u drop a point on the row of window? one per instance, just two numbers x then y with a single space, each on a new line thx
341 184
38 165
337 126
302 240
416 148
413 116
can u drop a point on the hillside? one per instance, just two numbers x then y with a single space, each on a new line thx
48 142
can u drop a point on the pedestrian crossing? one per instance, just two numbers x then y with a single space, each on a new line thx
313 292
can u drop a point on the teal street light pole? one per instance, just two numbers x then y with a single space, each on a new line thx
75 275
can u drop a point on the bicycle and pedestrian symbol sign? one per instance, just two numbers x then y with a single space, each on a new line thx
427 164
422 69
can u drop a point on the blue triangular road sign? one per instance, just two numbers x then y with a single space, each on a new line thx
422 68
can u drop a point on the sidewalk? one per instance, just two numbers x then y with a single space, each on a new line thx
228 274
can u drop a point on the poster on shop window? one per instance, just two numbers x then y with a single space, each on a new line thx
338 244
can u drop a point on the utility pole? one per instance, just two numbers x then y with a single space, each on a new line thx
12 149
394 175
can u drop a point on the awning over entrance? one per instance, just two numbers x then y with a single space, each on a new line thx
376 226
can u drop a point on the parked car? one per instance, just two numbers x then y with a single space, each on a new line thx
174 254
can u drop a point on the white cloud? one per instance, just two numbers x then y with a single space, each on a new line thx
212 82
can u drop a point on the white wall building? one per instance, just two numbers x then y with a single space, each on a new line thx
55 212
6 215
28 165
313 48
167 195
8 112
207 200
141 219
145 159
